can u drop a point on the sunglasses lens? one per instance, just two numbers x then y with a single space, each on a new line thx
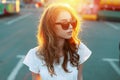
65 26
74 24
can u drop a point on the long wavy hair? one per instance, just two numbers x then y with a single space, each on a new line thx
47 41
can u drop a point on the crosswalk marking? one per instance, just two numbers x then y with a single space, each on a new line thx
16 69
112 63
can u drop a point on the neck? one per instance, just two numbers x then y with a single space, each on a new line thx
61 43
60 46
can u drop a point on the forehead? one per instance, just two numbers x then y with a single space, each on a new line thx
64 15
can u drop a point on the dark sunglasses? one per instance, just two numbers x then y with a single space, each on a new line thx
65 25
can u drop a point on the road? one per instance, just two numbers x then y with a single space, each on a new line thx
18 35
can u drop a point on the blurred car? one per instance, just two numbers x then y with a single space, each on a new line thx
109 10
33 3
38 4
96 9
110 5
9 7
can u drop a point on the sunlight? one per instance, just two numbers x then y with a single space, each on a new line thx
73 3
3 1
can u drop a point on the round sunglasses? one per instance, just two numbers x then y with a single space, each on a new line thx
65 25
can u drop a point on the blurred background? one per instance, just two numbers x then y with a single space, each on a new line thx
100 32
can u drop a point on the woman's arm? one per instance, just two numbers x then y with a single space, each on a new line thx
80 77
36 76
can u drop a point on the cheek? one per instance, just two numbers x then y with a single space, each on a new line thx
59 31
62 33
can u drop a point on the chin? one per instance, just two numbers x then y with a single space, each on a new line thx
68 37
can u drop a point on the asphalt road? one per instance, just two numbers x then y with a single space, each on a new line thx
17 36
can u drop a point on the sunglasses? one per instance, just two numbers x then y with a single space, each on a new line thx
65 25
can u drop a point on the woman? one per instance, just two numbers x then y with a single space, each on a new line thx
59 54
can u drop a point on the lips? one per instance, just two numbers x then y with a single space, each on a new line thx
70 32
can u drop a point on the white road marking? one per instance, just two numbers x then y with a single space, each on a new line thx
112 63
112 25
17 19
16 69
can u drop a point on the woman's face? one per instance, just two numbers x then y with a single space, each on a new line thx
63 27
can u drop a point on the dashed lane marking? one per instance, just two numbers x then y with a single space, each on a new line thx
17 19
112 25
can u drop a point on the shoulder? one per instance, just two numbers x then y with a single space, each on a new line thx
84 52
83 47
33 50
32 56
32 61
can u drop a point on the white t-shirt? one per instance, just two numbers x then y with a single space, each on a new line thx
36 65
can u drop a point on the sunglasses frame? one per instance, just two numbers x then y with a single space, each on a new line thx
65 25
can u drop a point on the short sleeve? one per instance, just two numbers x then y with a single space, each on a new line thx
32 61
83 52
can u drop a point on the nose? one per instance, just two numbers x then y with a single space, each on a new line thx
70 26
